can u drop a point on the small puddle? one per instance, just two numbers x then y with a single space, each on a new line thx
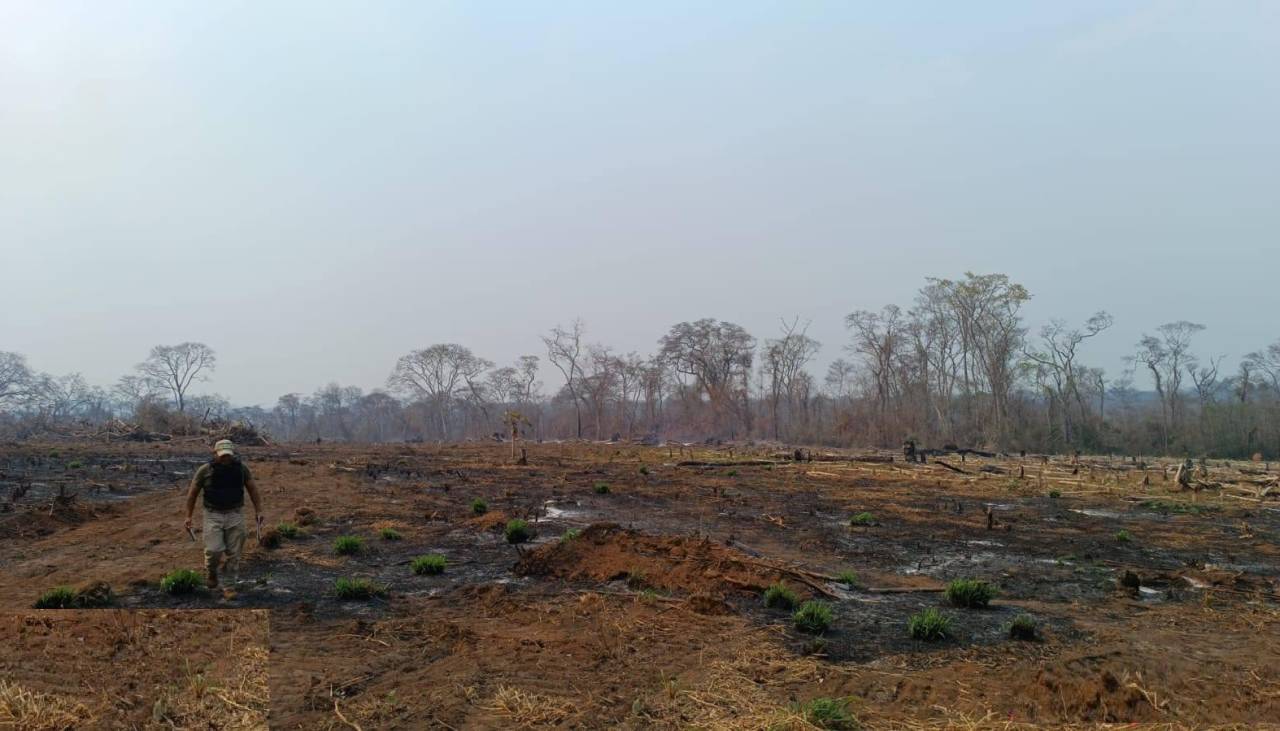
1096 513
553 511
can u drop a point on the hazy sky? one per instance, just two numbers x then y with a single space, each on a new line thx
316 188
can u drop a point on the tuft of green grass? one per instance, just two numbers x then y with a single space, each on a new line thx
390 534
814 617
288 530
570 535
644 469
780 596
479 506
517 531
356 588
970 593
929 625
732 473
1023 627
75 464
602 488
59 597
348 545
431 564
1123 536
181 581
1055 494
863 518
54 454
848 578
831 714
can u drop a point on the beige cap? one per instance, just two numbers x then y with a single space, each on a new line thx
224 446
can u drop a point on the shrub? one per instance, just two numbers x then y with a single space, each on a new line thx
1023 627
570 535
929 625
863 518
602 488
390 534
181 581
479 506
848 578
352 588
75 464
348 545
733 473
829 713
59 597
1123 536
517 531
288 530
1055 494
432 563
780 596
53 454
970 593
644 469
813 617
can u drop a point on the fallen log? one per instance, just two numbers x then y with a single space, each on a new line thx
953 468
733 463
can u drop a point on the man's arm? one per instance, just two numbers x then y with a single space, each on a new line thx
192 494
252 486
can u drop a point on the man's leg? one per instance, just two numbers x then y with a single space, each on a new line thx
233 536
214 546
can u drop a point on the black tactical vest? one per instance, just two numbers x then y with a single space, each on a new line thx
224 488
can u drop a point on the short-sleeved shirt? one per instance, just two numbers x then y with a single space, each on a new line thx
224 495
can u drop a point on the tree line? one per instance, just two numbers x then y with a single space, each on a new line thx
959 366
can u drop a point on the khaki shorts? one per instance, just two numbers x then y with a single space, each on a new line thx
223 534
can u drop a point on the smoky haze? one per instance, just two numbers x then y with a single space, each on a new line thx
315 189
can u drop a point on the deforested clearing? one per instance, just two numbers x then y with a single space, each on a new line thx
660 594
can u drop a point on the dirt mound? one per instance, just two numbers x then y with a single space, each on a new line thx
608 552
491 521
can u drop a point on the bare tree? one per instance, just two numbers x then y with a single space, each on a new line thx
1166 356
175 367
436 374
718 356
288 407
15 378
59 397
1056 359
564 350
879 338
597 383
783 361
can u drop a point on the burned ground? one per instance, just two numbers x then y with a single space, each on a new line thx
640 606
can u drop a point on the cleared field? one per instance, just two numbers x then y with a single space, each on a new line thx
638 601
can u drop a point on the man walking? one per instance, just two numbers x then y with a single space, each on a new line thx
223 482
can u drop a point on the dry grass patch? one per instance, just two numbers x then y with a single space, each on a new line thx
527 710
23 709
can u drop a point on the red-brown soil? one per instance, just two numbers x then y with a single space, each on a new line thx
651 616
